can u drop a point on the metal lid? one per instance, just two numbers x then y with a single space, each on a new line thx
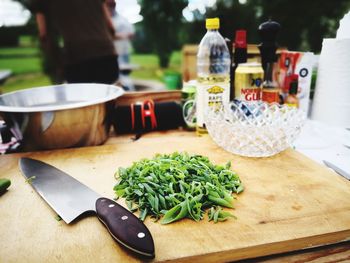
58 97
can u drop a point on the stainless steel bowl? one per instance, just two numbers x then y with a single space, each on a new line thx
62 116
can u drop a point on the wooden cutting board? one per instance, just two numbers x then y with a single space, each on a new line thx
289 203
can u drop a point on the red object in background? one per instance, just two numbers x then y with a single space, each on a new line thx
150 113
294 77
147 111
147 116
292 99
287 63
241 39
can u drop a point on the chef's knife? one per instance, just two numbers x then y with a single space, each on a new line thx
70 198
337 169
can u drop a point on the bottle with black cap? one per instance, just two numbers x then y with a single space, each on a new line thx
268 32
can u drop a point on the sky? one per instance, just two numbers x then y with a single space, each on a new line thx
12 13
130 9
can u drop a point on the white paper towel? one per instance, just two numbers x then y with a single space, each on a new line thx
332 95
343 31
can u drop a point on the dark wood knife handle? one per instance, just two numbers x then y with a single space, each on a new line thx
125 227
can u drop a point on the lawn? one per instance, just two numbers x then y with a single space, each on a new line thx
149 68
25 64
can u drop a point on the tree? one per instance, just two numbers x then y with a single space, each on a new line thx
162 22
234 16
304 23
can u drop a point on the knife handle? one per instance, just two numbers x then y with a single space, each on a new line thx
125 227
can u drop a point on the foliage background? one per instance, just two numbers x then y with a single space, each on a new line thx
164 30
304 22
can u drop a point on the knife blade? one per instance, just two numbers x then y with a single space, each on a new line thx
70 199
337 169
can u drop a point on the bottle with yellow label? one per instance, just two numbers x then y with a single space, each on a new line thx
213 73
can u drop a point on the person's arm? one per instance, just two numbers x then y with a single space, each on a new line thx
108 19
42 27
43 31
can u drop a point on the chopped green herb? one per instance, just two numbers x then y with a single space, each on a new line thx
30 179
58 218
4 184
218 215
178 185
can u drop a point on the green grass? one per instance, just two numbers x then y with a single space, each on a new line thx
19 51
21 65
25 64
149 67
25 81
20 60
27 40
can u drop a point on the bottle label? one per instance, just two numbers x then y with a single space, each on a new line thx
215 95
270 96
294 105
250 94
248 83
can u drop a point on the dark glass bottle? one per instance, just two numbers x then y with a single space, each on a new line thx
268 32
270 90
239 55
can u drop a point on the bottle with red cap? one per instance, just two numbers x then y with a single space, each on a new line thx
240 47
239 50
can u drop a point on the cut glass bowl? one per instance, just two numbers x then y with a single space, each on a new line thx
254 129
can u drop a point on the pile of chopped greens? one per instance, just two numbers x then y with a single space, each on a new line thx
178 185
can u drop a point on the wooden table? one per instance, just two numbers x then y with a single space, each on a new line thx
290 203
338 252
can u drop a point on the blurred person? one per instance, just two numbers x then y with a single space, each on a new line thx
124 32
87 32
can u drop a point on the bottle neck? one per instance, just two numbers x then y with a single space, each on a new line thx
239 55
268 76
268 72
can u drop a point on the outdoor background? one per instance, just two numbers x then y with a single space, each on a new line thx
163 27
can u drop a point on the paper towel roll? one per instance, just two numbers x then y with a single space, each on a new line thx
343 31
332 95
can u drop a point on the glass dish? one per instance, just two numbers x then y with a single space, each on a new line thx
254 129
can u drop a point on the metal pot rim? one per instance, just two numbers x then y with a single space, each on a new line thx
111 92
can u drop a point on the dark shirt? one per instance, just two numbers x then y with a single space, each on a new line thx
82 25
